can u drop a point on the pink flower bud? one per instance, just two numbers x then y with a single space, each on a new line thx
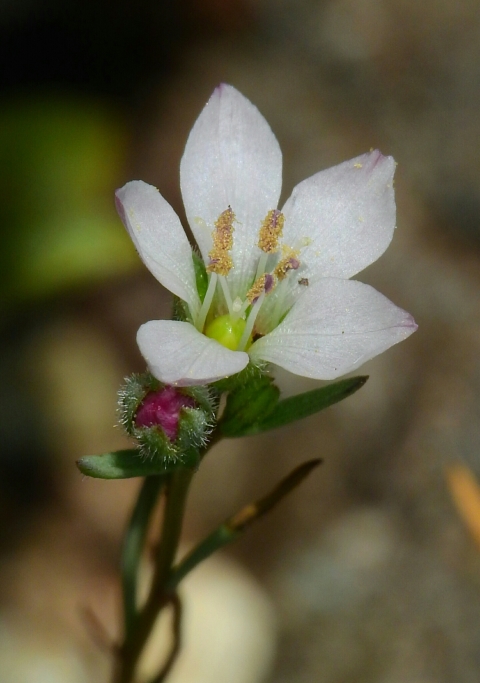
163 408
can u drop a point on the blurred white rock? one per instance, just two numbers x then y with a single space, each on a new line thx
228 629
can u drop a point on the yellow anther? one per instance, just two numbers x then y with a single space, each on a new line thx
220 259
264 283
271 231
287 263
256 289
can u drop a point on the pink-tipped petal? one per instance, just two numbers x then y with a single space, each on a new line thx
345 215
232 158
336 326
159 238
178 354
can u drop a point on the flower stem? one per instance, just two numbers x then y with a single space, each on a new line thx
129 653
133 545
177 640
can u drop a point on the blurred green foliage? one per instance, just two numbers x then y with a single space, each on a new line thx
61 160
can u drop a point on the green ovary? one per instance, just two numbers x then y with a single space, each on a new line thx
226 331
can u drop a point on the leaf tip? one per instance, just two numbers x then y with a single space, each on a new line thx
305 468
84 466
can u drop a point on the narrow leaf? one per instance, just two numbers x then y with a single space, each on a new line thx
133 544
120 465
300 406
235 526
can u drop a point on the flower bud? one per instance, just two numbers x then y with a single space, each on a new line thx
169 423
163 408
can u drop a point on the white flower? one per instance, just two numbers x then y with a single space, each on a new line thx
278 287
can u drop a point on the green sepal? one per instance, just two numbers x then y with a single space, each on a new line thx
239 381
299 406
127 464
130 396
180 310
247 403
201 277
195 424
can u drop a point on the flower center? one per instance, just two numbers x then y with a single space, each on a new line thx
226 330
235 329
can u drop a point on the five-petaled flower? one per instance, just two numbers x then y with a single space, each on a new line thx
278 281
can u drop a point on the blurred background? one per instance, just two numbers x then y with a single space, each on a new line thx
371 572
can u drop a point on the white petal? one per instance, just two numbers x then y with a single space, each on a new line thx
232 158
345 213
159 238
177 353
333 328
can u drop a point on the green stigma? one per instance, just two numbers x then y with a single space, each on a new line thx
226 331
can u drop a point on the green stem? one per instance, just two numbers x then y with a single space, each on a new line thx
176 494
220 537
235 526
133 546
177 485
177 640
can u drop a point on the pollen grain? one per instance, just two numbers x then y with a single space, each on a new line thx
271 231
220 259
258 287
287 263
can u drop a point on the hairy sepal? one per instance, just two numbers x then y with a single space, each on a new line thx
195 423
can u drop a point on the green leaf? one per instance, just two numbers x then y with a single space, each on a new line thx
121 465
247 404
300 406
133 545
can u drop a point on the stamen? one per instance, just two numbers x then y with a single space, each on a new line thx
262 286
271 231
262 263
220 259
281 292
258 287
207 302
250 322
269 283
226 293
287 263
